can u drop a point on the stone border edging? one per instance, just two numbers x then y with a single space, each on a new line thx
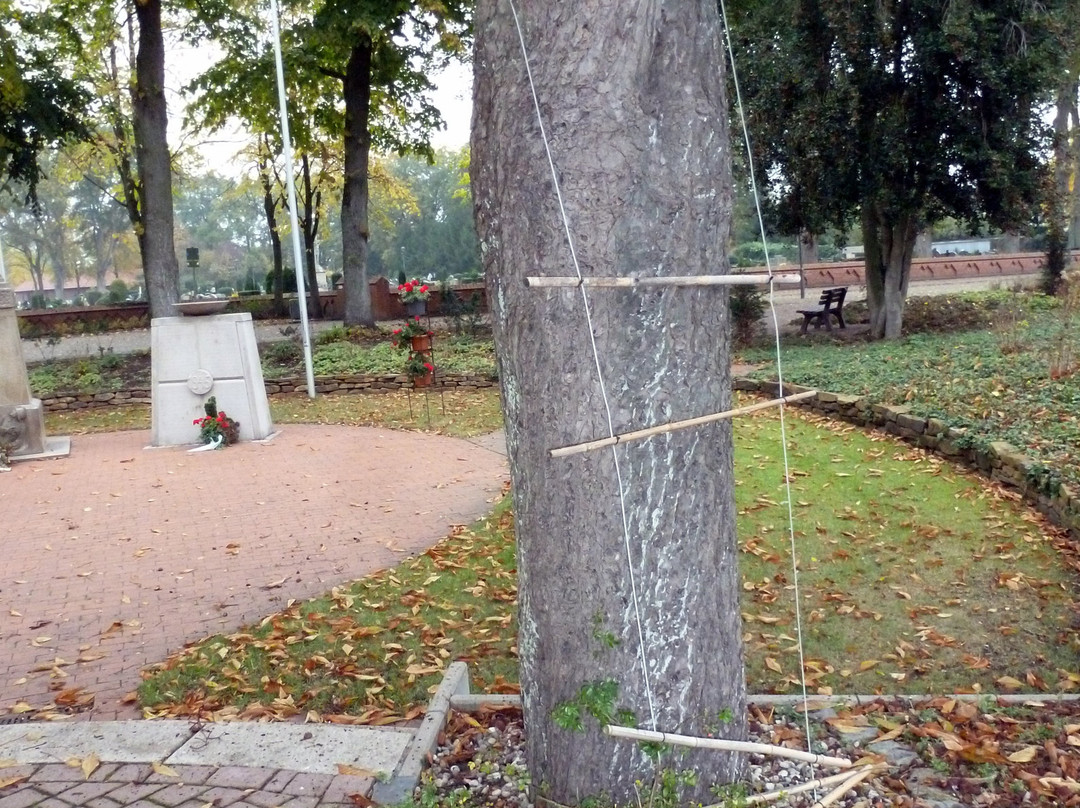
360 384
474 702
407 775
1001 461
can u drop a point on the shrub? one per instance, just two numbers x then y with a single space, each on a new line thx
118 292
747 307
288 282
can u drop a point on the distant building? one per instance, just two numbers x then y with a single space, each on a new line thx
25 291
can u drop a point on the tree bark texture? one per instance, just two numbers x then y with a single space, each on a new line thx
270 211
634 104
888 245
155 171
354 194
309 223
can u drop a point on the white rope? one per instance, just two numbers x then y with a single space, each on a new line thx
779 376
596 360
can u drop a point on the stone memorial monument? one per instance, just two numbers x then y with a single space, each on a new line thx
22 424
194 357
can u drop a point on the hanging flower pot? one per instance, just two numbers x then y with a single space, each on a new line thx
422 343
425 380
413 296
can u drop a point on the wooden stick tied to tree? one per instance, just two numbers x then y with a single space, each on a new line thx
724 745
735 279
842 789
810 785
581 448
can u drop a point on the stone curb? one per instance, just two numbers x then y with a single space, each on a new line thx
407 775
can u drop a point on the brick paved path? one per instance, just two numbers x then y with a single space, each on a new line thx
113 785
118 555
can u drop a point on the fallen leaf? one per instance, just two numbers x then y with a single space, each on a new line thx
773 665
355 771
10 781
1009 683
1025 755
90 764
275 584
163 770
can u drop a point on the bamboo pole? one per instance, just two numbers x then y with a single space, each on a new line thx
842 789
736 279
810 785
726 746
580 448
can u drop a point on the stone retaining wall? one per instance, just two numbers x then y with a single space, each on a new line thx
387 383
1000 461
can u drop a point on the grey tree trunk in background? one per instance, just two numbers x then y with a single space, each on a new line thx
155 170
354 193
634 102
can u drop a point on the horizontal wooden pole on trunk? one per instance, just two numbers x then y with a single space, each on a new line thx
810 785
581 448
724 745
735 279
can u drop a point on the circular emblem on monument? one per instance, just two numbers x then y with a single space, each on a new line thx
200 382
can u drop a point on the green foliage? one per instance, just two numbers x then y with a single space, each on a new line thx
118 292
596 698
965 379
897 115
747 307
40 106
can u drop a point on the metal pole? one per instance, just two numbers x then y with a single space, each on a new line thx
3 269
287 155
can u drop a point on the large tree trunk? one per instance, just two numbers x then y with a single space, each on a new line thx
354 194
309 224
263 163
155 172
808 247
888 247
635 105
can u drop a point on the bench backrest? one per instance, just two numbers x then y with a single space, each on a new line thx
832 298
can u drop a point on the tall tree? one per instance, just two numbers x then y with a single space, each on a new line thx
635 106
151 123
40 106
897 114
382 52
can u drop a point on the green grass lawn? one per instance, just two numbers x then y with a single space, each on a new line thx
1000 383
915 578
458 413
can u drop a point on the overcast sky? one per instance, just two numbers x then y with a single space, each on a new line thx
183 63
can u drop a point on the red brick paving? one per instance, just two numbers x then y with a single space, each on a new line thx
127 553
114 786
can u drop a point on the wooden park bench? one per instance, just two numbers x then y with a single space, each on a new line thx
831 302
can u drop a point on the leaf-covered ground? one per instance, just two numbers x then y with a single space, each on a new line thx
915 578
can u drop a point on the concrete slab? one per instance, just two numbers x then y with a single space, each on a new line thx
54 447
111 741
313 748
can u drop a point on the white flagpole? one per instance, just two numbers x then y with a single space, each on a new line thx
3 269
288 157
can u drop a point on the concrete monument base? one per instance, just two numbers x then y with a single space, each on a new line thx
195 357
